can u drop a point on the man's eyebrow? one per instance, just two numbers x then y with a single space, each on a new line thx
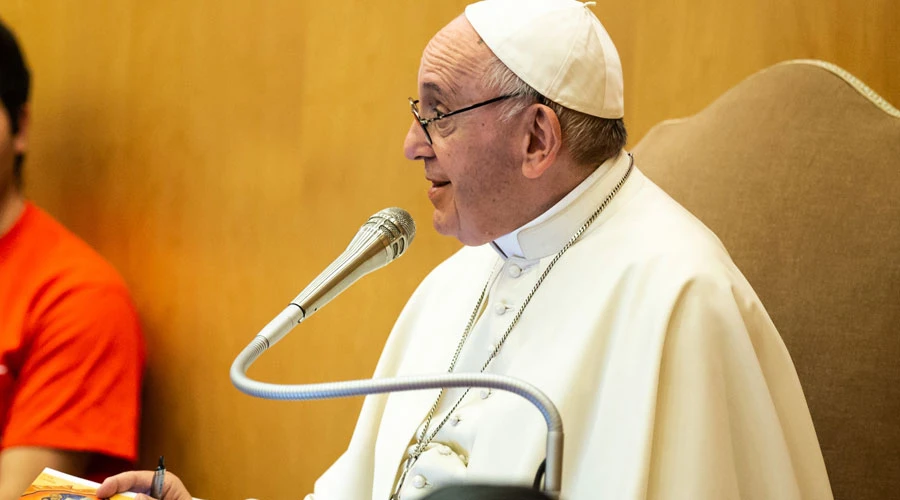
441 92
434 88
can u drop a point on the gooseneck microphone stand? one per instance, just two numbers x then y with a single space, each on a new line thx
302 392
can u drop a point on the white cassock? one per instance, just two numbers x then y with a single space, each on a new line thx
670 377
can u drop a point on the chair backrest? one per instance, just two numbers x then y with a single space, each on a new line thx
797 169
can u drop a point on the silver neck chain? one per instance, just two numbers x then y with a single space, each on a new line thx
424 437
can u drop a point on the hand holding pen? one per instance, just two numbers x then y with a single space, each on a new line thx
159 477
164 484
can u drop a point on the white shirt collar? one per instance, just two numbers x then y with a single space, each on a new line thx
548 232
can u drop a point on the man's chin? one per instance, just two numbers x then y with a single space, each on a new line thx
448 225
442 225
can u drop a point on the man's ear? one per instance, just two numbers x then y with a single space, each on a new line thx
543 141
20 140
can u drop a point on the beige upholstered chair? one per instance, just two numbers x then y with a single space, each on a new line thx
797 169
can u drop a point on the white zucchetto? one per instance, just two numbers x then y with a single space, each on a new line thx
558 47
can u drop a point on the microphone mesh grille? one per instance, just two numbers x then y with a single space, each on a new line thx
401 218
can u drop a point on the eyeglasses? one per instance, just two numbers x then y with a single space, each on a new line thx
424 122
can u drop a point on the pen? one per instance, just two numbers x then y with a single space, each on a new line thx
156 487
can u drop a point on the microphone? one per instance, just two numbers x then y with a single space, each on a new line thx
383 238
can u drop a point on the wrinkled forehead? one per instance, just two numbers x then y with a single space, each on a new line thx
453 64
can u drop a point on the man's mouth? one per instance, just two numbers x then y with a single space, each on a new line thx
436 190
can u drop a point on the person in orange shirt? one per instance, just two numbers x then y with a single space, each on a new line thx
71 350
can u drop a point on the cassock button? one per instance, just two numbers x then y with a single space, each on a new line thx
515 271
500 309
419 481
454 421
485 393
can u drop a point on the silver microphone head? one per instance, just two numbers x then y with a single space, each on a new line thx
383 238
397 225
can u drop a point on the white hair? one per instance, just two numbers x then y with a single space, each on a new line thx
590 139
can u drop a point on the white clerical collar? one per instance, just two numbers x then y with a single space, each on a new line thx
548 232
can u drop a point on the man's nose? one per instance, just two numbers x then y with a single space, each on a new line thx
415 146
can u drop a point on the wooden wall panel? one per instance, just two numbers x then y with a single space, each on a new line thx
220 154
678 56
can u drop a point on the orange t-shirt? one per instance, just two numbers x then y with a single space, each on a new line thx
71 351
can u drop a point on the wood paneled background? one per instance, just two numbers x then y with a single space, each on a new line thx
221 154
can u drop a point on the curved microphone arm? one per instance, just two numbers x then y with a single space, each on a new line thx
302 392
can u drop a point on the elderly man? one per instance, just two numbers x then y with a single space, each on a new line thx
579 276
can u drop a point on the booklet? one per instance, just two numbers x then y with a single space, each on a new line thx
55 485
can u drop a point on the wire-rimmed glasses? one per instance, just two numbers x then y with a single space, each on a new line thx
424 122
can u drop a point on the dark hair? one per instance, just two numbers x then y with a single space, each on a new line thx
485 492
15 82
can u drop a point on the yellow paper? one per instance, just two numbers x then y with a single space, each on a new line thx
54 485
